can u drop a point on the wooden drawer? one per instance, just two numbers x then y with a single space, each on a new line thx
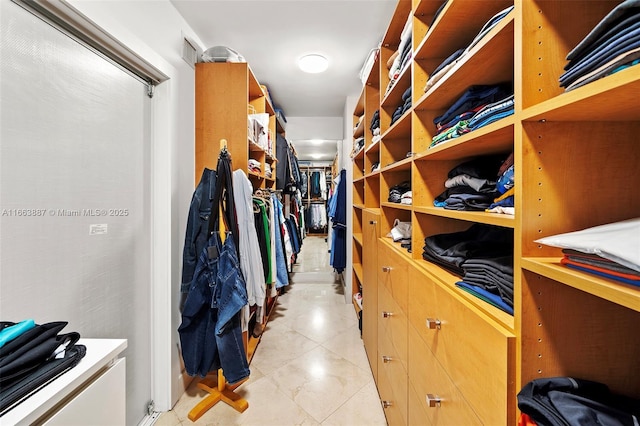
393 273
476 352
392 329
392 387
427 377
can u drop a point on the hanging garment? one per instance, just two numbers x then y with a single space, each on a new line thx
282 277
261 225
197 224
338 215
211 329
248 239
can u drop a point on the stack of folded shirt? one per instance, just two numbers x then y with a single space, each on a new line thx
254 166
614 44
483 256
471 185
375 166
397 191
490 113
401 58
611 251
358 123
404 107
267 170
505 186
358 144
451 124
375 123
442 69
407 198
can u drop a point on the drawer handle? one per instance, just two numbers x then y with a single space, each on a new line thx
386 269
433 324
373 222
387 314
387 404
386 359
433 400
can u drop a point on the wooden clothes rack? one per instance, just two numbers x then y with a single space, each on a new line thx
216 386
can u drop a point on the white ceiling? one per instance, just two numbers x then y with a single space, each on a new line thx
272 35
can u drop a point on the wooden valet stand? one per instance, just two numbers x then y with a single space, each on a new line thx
218 391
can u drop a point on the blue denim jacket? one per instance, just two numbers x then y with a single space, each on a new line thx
197 223
211 330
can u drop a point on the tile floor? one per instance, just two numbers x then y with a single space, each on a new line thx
310 367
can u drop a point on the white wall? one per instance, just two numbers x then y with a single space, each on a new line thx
303 128
154 30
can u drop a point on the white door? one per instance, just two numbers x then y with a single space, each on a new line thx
75 192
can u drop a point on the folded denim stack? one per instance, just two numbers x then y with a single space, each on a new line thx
483 256
442 69
401 58
452 123
613 45
397 191
471 185
406 105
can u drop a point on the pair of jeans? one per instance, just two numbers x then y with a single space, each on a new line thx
211 330
197 224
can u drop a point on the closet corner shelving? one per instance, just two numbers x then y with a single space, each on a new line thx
569 152
225 94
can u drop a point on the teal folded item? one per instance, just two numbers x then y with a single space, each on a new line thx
9 333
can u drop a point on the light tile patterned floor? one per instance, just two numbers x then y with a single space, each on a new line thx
310 367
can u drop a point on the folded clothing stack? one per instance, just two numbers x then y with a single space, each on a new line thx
483 256
560 401
358 144
471 185
401 57
613 45
505 186
397 191
267 170
404 107
491 101
442 69
375 123
254 166
610 251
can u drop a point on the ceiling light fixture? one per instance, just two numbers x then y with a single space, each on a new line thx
313 63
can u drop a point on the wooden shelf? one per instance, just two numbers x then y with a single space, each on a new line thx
613 98
489 62
404 164
358 238
397 206
400 129
357 268
358 132
503 220
613 291
492 139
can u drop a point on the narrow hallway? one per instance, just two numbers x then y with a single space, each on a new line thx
310 367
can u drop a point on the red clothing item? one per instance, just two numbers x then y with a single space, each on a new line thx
566 261
525 420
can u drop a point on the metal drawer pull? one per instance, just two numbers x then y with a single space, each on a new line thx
373 222
433 323
387 314
433 400
387 404
386 269
386 359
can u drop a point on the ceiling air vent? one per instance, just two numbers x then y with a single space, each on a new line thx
189 53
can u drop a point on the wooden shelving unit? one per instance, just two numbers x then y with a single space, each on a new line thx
567 149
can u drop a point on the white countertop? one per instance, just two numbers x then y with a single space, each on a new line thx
100 353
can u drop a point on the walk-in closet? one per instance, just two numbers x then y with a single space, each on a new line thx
320 212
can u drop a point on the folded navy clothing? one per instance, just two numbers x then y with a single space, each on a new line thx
485 167
564 401
605 275
455 55
475 96
468 202
626 9
479 241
